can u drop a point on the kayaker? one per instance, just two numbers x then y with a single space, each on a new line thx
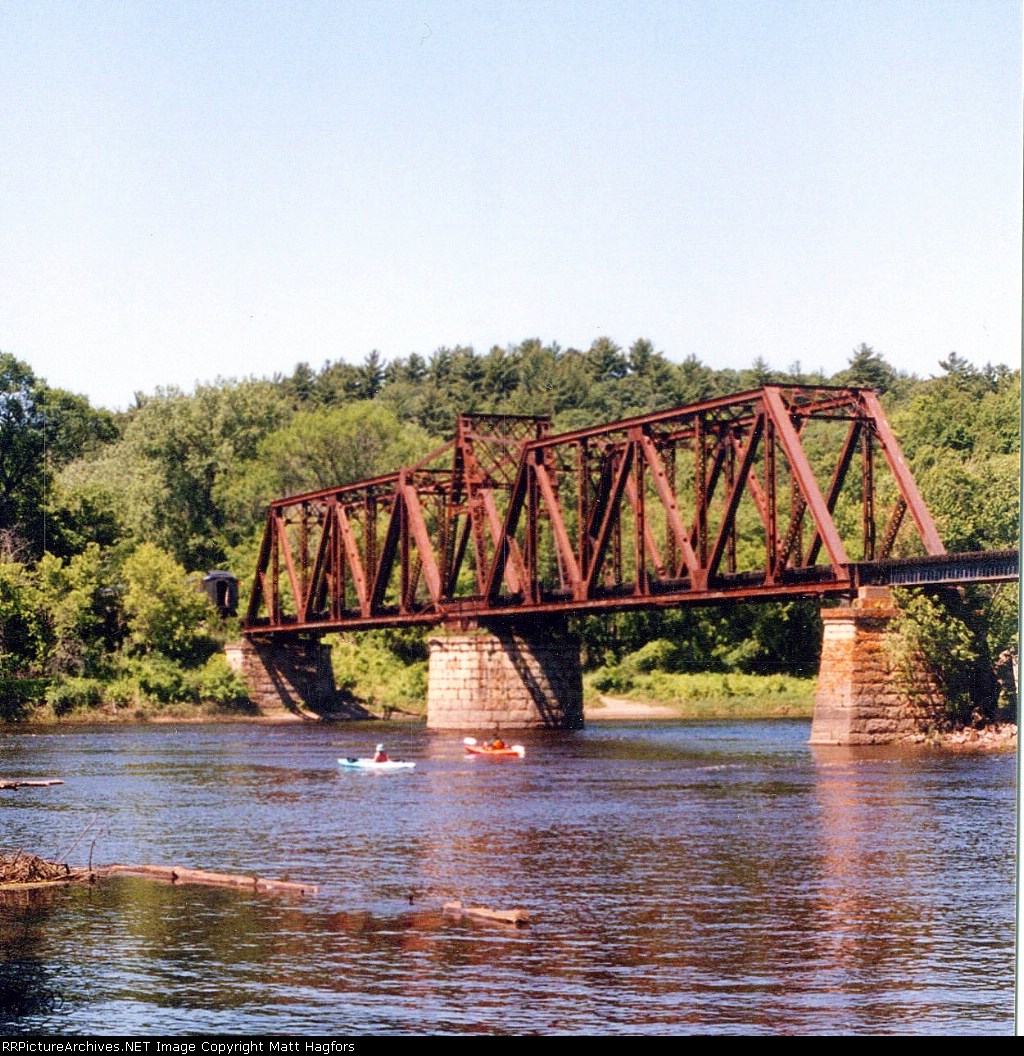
380 756
496 743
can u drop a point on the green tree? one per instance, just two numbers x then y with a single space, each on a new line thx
867 369
41 429
162 475
975 502
80 606
942 635
166 613
410 370
961 434
693 381
317 449
342 382
302 385
501 373
22 462
23 632
605 360
758 374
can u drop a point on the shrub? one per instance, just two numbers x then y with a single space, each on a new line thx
217 683
375 674
155 678
17 695
612 680
660 655
166 614
72 694
932 635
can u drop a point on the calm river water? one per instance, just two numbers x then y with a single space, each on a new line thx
681 878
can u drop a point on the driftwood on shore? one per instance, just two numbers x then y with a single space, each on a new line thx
515 917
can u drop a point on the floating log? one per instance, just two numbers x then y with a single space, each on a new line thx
175 874
17 783
516 917
29 870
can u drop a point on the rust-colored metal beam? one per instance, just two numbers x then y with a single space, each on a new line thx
804 475
732 501
908 488
554 511
680 536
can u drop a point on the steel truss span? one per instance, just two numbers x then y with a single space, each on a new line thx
783 491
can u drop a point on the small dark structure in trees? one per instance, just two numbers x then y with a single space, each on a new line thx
222 590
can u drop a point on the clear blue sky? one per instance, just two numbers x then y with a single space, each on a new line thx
199 189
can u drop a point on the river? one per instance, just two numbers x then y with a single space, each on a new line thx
680 878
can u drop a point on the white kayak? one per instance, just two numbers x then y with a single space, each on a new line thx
372 764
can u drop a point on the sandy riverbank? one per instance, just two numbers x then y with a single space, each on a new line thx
618 710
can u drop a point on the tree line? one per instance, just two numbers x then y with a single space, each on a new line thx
109 519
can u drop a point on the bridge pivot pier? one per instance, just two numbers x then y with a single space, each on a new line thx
859 700
509 676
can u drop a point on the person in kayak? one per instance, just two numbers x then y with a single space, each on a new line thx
380 756
496 743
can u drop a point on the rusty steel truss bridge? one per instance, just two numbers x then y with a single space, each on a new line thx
780 492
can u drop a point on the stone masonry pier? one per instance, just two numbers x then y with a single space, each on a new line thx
290 679
859 699
505 679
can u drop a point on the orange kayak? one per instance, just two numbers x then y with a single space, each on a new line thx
482 749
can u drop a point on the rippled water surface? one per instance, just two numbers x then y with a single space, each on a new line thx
680 878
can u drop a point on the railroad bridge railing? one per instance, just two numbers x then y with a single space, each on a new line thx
777 492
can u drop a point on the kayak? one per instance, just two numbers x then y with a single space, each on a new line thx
483 749
371 764
479 749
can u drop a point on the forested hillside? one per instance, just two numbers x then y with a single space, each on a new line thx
109 520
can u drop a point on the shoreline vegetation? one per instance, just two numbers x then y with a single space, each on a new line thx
698 695
655 695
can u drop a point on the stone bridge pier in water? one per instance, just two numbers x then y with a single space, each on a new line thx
505 678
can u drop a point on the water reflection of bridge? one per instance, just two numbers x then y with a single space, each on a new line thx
780 492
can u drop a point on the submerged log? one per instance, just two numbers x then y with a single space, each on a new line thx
175 874
516 917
